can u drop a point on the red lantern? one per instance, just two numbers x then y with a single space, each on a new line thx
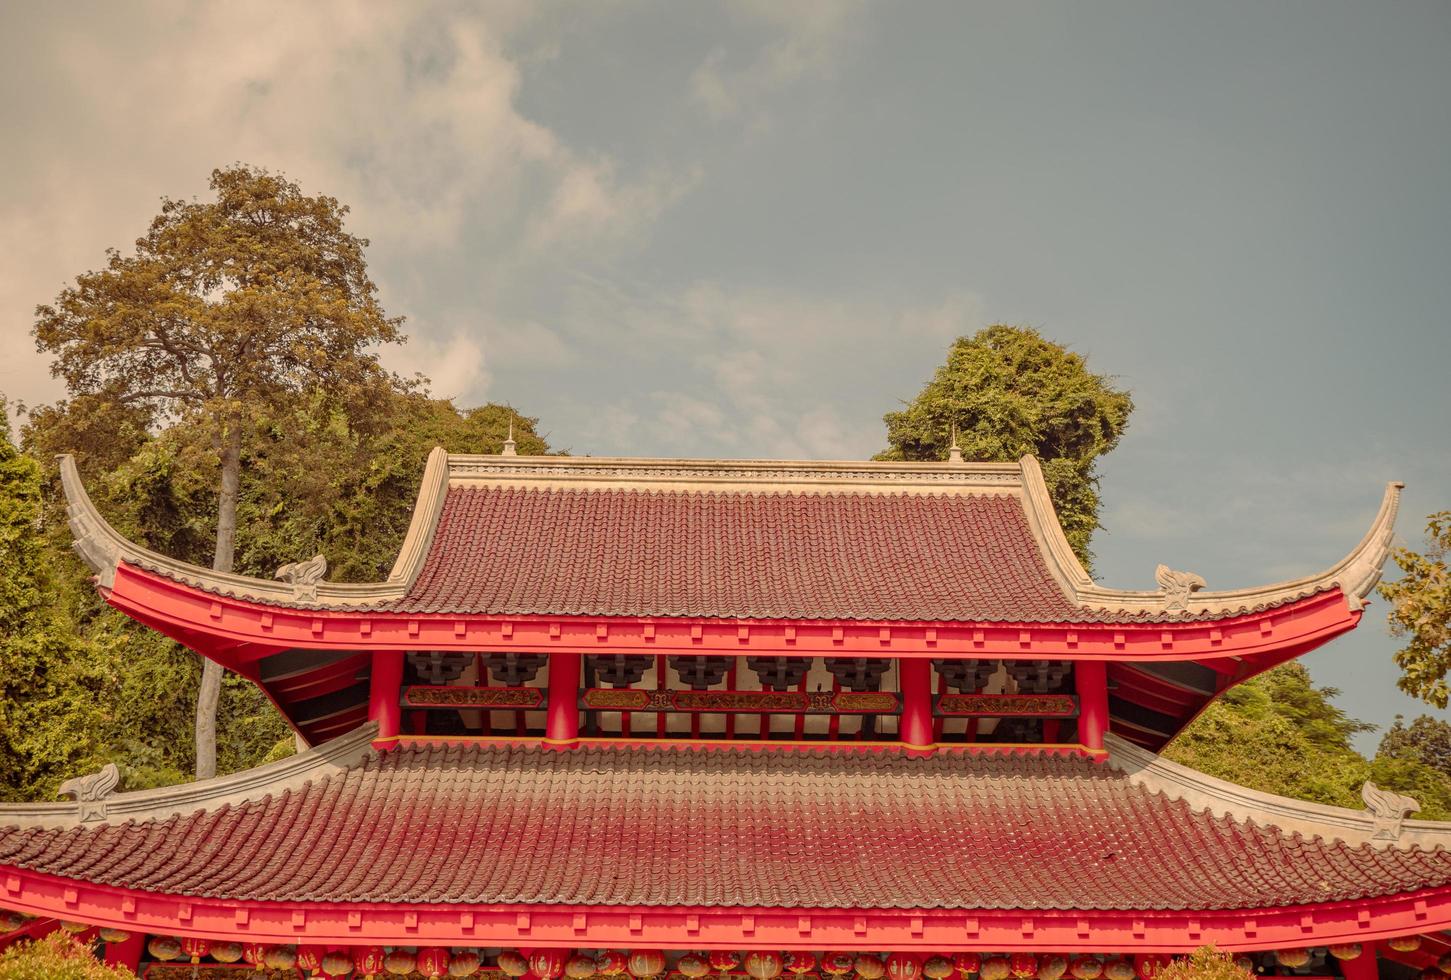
937 968
966 963
432 962
226 952
107 934
163 948
837 964
1052 967
196 948
337 964
579 967
1404 944
763 964
646 963
74 928
547 964
903 966
1023 965
513 963
1293 958
610 963
281 957
724 960
996 968
309 958
1086 968
1148 966
465 964
400 962
371 961
692 965
869 967
1119 970
799 963
255 956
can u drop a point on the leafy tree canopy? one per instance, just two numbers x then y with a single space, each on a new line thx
57 956
1205 963
1280 734
1426 740
1421 612
1010 392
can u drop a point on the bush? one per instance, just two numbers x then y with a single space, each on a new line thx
56 957
1205 963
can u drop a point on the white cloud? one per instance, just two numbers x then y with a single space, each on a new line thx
802 39
407 112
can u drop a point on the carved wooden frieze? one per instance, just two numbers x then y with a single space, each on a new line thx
435 696
750 702
1007 705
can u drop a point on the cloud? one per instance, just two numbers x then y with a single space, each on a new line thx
407 112
801 40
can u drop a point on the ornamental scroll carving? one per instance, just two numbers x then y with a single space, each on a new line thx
800 702
91 792
419 696
303 576
1388 810
1007 705
1177 587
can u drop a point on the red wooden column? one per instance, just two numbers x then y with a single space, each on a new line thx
563 721
127 954
914 677
1092 682
384 690
1364 966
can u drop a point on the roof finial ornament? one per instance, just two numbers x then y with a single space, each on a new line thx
1177 587
90 792
303 577
1388 810
509 444
954 451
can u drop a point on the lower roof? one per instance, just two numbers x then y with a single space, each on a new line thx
641 826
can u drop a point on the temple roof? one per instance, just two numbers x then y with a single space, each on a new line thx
913 542
641 826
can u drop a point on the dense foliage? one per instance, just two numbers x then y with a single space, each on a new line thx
1205 963
81 684
1280 734
229 314
1009 392
1421 611
57 956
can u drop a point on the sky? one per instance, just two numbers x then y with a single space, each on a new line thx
750 229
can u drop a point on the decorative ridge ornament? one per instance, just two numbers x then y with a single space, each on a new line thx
954 451
1389 810
90 792
510 447
303 576
1178 586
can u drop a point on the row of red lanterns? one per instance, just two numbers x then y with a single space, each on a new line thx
552 964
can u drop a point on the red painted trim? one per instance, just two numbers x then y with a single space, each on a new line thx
181 610
914 677
562 722
384 685
682 927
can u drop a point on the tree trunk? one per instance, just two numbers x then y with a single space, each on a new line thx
211 686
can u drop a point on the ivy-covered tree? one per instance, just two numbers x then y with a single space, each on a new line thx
1421 612
227 311
1009 392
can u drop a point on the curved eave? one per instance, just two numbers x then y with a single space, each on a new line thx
104 550
1355 575
711 927
226 623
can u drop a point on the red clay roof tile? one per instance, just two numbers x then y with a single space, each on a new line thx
498 824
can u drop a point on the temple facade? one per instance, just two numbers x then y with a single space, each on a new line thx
613 717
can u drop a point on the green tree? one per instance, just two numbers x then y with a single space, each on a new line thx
1279 733
1205 963
1421 611
228 310
57 956
1426 740
1009 392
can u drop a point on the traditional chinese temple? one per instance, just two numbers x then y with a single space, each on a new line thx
651 718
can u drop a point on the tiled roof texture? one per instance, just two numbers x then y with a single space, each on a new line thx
634 826
617 552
